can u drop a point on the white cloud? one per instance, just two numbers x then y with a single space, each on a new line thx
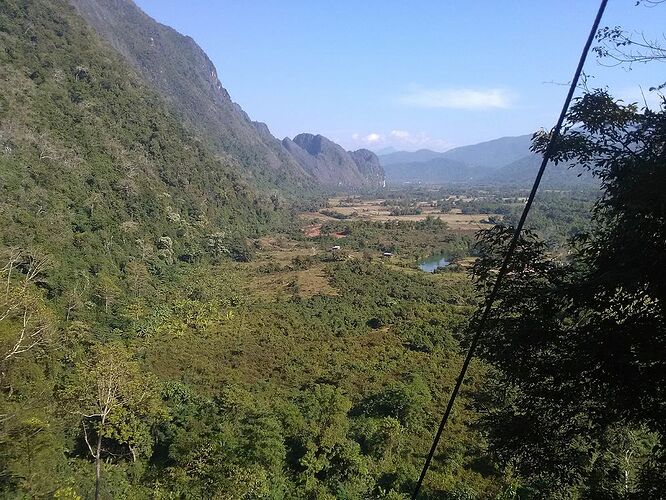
400 139
400 134
457 98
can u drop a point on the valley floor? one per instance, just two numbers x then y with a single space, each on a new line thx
317 367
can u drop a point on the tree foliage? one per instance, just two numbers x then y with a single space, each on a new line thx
577 342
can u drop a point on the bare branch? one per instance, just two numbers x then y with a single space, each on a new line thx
85 435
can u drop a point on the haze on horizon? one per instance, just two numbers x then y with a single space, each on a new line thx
436 76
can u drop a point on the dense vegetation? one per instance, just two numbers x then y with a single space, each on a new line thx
92 162
556 216
578 344
138 360
149 349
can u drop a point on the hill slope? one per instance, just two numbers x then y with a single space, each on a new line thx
408 156
434 171
523 171
181 72
94 169
492 154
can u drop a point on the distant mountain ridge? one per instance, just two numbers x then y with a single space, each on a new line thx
507 160
177 68
522 172
492 154
385 151
409 156
434 171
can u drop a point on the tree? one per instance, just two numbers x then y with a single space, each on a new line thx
621 47
138 278
330 460
118 405
31 456
75 295
108 290
25 321
579 343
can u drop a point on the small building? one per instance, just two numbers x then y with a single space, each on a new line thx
335 247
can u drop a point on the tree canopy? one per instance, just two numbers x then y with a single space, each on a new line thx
578 342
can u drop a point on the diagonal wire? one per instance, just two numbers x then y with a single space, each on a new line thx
512 247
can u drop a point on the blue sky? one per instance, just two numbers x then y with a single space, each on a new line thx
433 74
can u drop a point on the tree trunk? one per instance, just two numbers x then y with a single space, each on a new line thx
98 466
98 476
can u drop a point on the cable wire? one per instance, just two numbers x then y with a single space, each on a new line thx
512 247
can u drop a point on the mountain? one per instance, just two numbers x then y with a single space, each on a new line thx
176 67
492 154
369 166
473 163
434 171
95 168
409 156
332 165
523 171
385 151
506 160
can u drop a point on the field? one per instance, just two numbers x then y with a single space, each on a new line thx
381 210
358 229
273 271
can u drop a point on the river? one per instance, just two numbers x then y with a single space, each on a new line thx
431 263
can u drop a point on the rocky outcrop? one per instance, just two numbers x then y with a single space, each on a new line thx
332 166
368 165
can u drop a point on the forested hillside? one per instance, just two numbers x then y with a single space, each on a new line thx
94 168
182 73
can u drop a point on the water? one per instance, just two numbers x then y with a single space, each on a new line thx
433 262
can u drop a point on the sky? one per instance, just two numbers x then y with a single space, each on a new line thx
408 75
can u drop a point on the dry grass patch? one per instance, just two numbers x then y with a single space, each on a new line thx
374 210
